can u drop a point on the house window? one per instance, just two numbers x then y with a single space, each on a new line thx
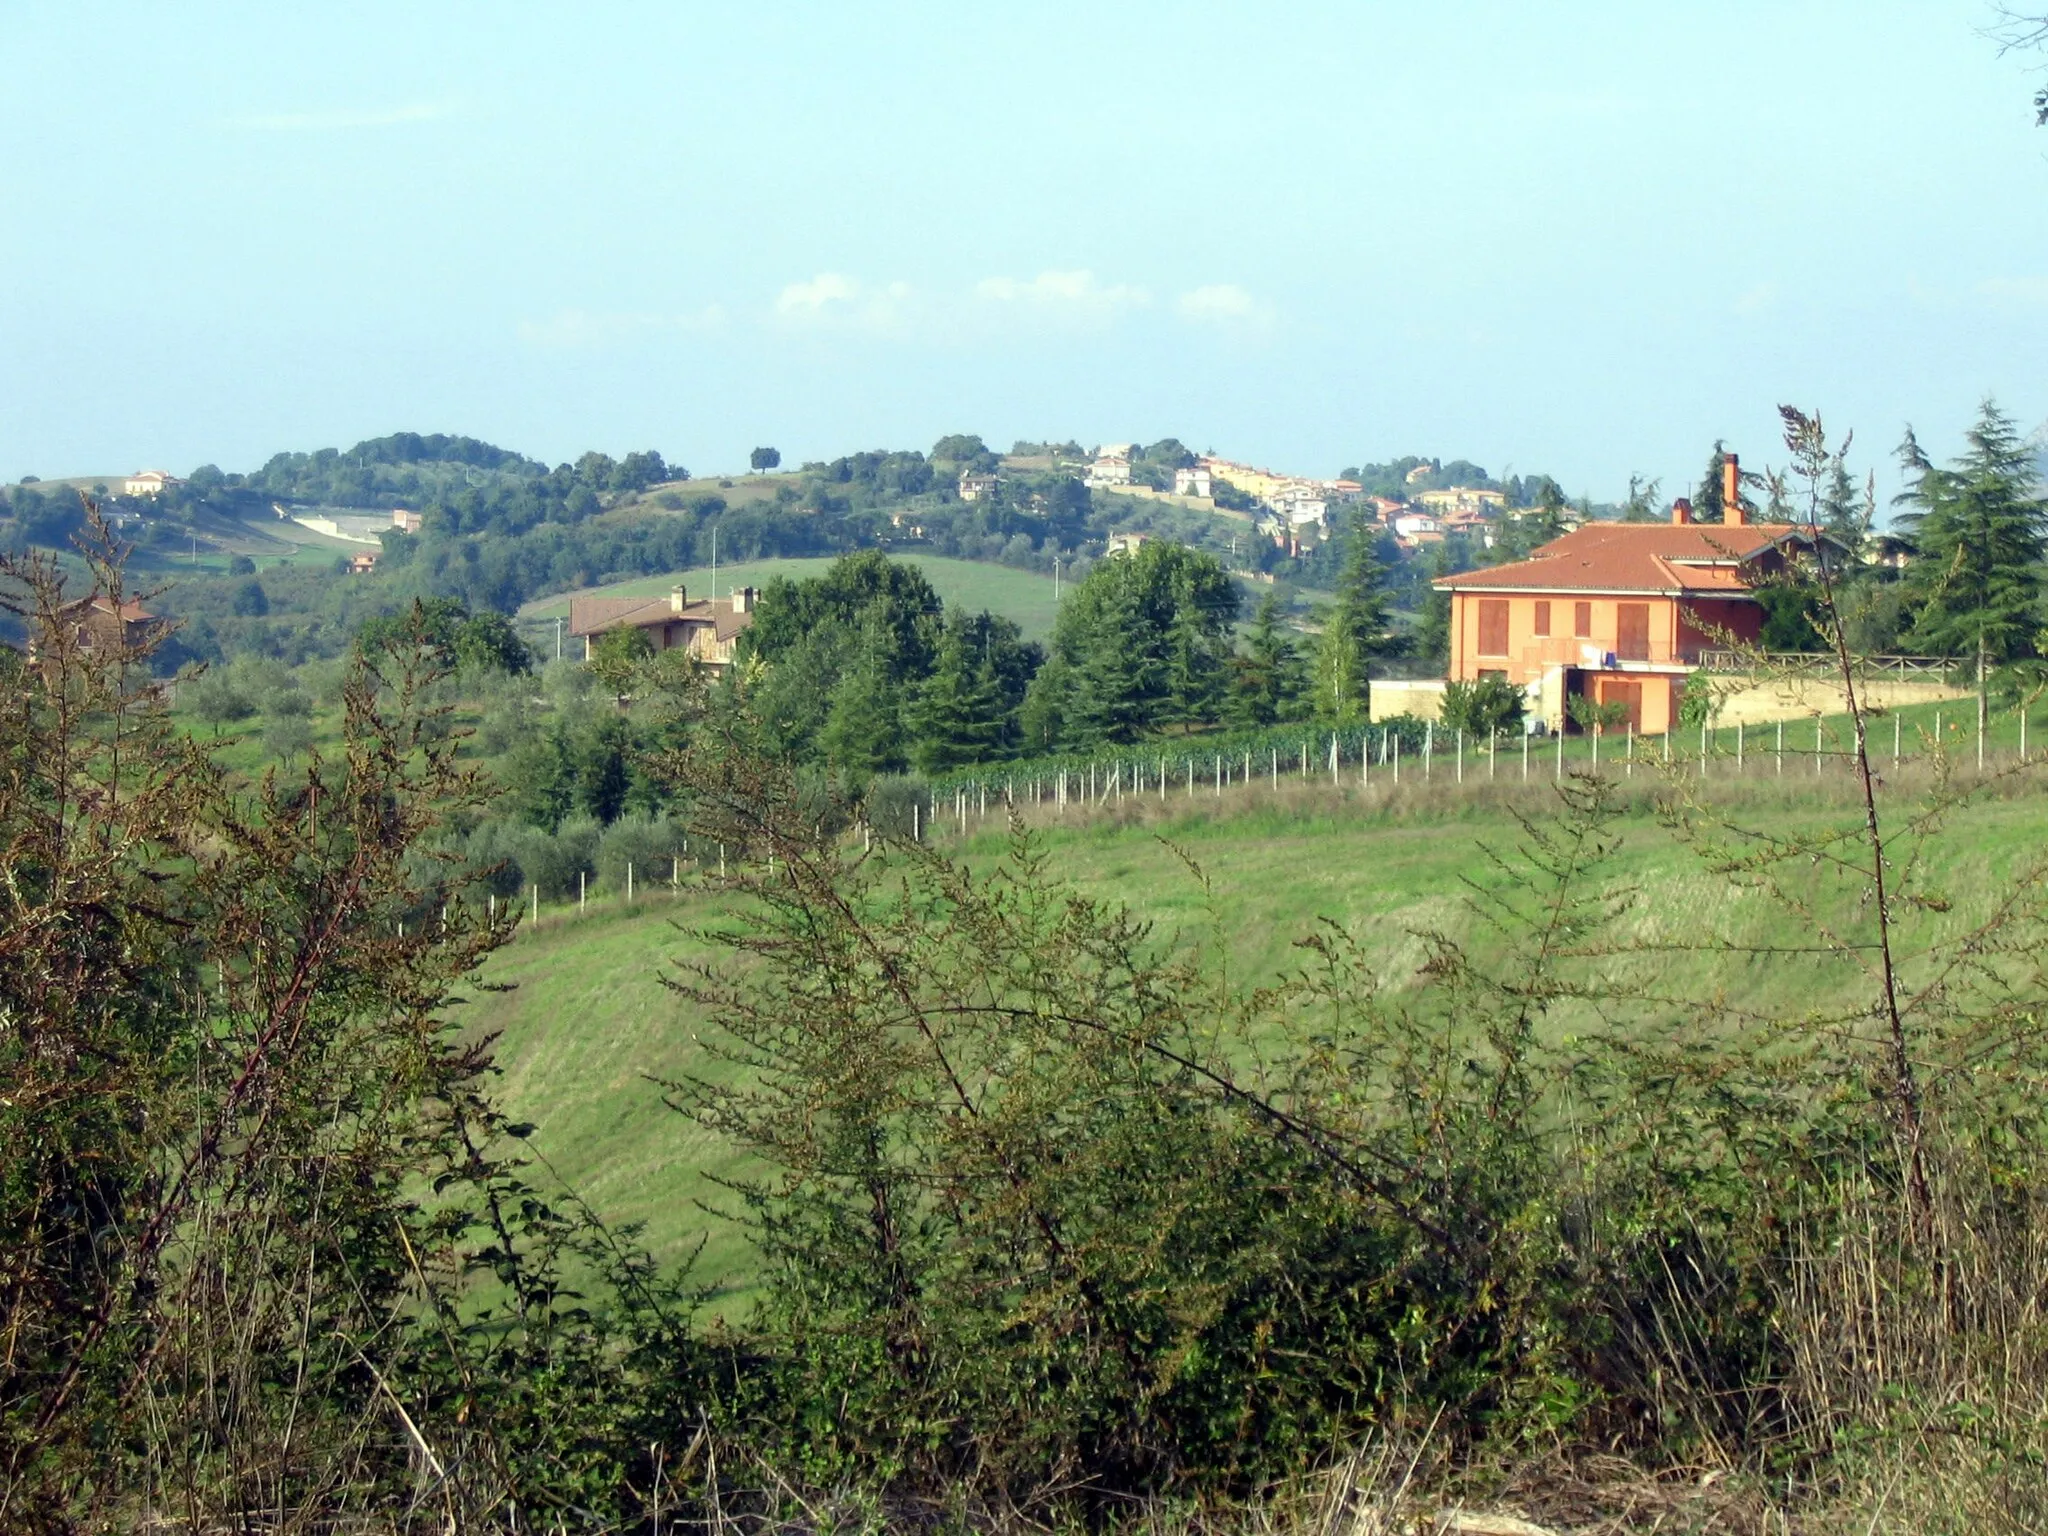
1582 621
1493 626
1542 619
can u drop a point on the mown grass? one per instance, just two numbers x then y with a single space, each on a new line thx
586 1025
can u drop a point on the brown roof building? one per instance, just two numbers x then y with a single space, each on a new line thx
97 621
707 628
1619 612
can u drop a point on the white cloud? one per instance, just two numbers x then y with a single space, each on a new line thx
834 300
341 120
578 328
1221 304
1075 292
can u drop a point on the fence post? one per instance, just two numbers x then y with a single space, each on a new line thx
1333 759
1560 754
1461 755
1896 717
582 892
1738 748
1596 747
1428 747
1219 775
1781 749
1525 754
629 882
1276 770
1816 746
1397 757
1628 762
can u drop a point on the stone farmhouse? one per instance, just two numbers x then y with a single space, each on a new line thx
707 628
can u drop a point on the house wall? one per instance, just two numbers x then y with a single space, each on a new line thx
1678 632
1710 624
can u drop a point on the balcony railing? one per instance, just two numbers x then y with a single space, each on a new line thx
1924 668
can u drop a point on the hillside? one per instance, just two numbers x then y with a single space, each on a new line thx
1024 596
587 1027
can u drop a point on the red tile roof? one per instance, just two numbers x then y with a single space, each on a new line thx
131 612
1636 557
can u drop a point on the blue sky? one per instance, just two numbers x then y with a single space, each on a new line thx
1585 238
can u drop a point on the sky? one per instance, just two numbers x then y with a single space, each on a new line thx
1585 239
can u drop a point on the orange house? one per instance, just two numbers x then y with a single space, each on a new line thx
1619 612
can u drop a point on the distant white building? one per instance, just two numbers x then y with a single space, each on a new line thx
975 487
1410 524
1127 543
1301 504
1192 482
1112 467
148 482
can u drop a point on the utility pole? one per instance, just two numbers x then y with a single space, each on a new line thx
1055 581
559 622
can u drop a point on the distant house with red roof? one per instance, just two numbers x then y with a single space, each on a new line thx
707 628
1618 612
97 620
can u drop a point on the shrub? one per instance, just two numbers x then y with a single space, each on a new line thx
1483 709
648 843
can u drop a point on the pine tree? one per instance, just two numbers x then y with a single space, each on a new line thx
1845 513
1266 682
1116 676
1194 668
863 730
956 715
1433 624
1709 505
1980 527
1042 717
1354 631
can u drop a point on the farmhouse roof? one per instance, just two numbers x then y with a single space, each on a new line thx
595 615
131 610
1638 557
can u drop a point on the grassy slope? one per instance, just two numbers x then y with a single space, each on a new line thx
588 1021
1021 595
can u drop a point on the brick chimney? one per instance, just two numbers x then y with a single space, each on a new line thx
1731 491
678 600
1681 512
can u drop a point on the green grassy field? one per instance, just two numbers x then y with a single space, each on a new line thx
587 1022
1024 596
